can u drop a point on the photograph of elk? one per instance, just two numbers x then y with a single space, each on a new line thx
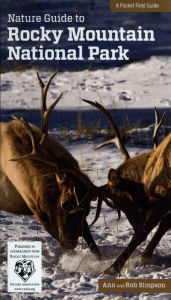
85 160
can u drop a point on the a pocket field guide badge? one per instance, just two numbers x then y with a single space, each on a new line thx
24 267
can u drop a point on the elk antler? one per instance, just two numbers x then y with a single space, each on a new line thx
117 139
46 113
93 191
98 210
37 152
157 125
99 206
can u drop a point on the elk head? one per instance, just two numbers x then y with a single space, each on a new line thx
140 187
57 187
126 181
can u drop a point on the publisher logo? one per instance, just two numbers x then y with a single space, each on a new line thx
24 267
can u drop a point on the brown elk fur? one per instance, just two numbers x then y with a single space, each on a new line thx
141 188
128 178
143 193
16 142
133 168
29 186
157 173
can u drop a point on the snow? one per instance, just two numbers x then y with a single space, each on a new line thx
137 85
74 275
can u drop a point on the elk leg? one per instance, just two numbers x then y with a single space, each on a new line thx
164 226
89 240
117 266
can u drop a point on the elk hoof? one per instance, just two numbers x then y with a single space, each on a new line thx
111 271
99 256
145 260
97 253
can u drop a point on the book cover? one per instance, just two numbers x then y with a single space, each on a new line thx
73 76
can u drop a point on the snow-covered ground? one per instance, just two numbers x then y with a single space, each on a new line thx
75 276
137 85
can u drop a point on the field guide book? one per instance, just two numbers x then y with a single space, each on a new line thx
85 149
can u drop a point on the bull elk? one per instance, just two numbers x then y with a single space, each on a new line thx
141 188
39 176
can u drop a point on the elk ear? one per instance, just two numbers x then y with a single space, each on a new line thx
113 177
